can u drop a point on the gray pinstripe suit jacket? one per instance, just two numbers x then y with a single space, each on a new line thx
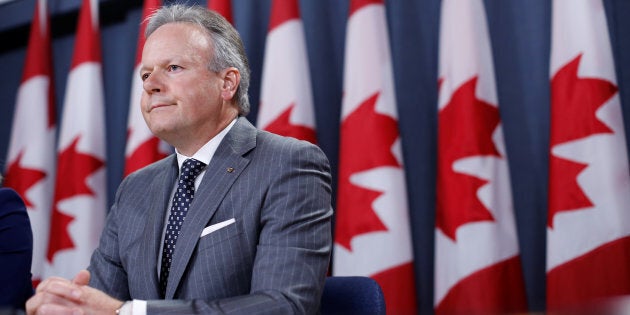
273 259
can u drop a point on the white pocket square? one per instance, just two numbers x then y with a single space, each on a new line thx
216 226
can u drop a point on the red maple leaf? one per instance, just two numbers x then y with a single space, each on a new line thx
21 179
283 126
574 102
366 143
145 154
72 172
466 125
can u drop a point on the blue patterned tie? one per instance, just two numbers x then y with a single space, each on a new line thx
181 202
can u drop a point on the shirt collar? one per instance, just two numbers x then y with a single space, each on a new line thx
206 152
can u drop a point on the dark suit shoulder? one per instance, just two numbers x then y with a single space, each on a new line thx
10 202
245 139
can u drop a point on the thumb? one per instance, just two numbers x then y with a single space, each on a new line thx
82 278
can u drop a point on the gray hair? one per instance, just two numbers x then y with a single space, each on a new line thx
228 46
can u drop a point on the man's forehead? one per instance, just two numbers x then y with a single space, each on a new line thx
177 38
171 45
184 29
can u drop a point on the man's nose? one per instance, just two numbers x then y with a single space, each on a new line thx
153 83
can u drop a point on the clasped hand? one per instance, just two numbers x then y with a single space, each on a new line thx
61 296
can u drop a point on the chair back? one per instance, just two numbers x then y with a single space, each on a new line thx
352 295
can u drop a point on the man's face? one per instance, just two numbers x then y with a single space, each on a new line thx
182 101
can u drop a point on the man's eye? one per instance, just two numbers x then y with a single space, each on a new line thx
173 67
144 76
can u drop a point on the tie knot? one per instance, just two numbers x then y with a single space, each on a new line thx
190 169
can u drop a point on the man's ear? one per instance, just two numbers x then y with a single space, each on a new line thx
231 80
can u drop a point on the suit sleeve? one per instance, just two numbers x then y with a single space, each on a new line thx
294 244
16 248
107 272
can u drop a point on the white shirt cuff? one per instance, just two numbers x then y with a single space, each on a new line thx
139 307
136 307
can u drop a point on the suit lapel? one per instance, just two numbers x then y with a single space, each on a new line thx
161 186
224 168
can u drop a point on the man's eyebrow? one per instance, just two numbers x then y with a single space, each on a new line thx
142 69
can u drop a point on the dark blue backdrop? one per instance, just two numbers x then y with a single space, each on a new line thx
520 34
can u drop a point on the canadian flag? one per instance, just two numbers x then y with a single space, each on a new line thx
223 7
372 232
477 262
80 192
31 157
143 148
588 223
286 105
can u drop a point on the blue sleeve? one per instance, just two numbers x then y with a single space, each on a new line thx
16 250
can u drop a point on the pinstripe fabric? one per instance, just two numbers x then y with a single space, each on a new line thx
273 259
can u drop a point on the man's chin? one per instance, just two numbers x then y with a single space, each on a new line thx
161 131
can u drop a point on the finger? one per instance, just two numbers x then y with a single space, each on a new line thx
44 285
64 290
54 309
34 304
82 278
48 298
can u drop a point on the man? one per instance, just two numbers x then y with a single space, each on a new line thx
256 237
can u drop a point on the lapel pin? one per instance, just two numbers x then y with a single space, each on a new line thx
230 169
